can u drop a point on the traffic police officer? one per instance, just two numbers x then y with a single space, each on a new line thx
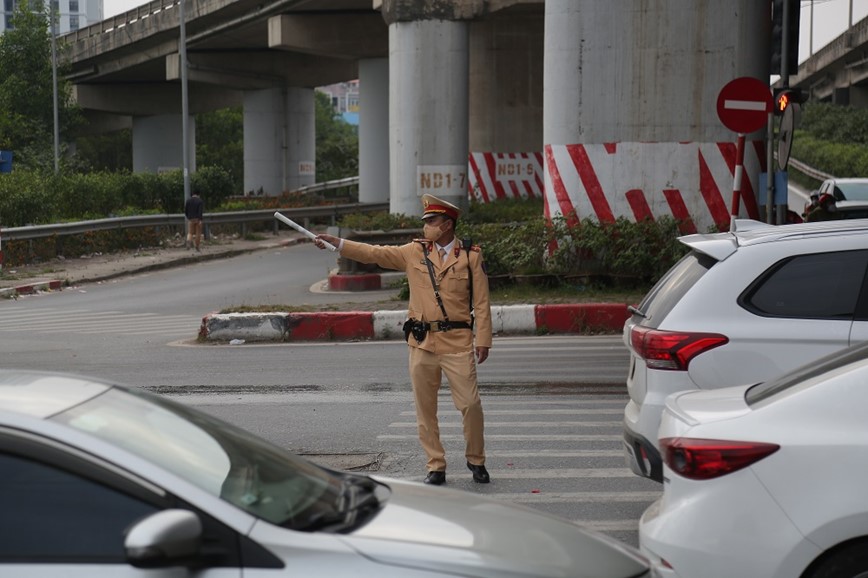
448 330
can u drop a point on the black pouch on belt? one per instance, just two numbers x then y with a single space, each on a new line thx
419 329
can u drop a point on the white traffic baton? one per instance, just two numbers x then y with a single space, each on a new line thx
302 230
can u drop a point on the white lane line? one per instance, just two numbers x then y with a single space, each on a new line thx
518 438
559 474
519 424
583 497
574 411
572 402
555 454
609 525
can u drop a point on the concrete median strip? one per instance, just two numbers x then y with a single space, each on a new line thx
31 288
582 318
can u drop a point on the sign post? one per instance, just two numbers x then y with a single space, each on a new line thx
743 106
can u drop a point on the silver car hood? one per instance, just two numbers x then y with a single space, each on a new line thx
438 529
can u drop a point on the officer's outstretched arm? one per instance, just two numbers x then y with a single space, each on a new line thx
336 241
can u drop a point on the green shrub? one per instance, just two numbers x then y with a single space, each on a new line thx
214 184
833 139
525 244
25 199
379 221
834 123
835 158
503 210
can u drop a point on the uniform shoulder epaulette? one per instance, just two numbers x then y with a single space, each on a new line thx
459 248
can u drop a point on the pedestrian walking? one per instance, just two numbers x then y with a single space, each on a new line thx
448 329
194 211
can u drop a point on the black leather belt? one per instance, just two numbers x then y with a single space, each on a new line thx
436 326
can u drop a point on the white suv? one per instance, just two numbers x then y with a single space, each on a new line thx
741 307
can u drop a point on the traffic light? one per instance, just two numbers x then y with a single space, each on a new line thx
785 97
785 29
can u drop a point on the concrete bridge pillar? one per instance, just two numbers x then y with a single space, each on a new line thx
506 106
279 140
428 100
630 124
158 143
374 130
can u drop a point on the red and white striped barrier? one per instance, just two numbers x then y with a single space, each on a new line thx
691 182
552 319
505 175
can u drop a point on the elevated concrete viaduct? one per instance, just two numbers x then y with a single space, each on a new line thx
838 73
605 109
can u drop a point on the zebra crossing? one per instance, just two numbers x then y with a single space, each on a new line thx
84 322
559 454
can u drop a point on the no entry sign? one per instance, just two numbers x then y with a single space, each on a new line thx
743 104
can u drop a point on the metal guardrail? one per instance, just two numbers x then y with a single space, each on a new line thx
329 185
119 21
809 171
303 214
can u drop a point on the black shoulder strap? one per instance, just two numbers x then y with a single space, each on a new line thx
466 244
434 281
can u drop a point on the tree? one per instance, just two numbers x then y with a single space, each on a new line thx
220 143
27 92
110 152
337 143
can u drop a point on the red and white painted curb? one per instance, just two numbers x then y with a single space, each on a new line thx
581 318
32 288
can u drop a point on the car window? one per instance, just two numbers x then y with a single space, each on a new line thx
806 373
226 461
49 515
673 286
815 286
856 191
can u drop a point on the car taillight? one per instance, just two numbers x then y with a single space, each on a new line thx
671 350
702 459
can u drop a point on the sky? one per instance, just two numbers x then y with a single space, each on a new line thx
830 19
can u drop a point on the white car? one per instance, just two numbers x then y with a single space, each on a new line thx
742 307
767 480
97 480
851 197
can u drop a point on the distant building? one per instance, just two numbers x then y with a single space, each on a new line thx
345 99
72 14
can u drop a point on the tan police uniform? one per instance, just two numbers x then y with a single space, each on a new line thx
450 352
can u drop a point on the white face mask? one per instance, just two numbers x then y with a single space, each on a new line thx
431 232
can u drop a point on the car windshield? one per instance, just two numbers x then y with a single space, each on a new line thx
855 191
219 458
806 373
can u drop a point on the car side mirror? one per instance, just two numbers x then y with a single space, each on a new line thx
167 538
